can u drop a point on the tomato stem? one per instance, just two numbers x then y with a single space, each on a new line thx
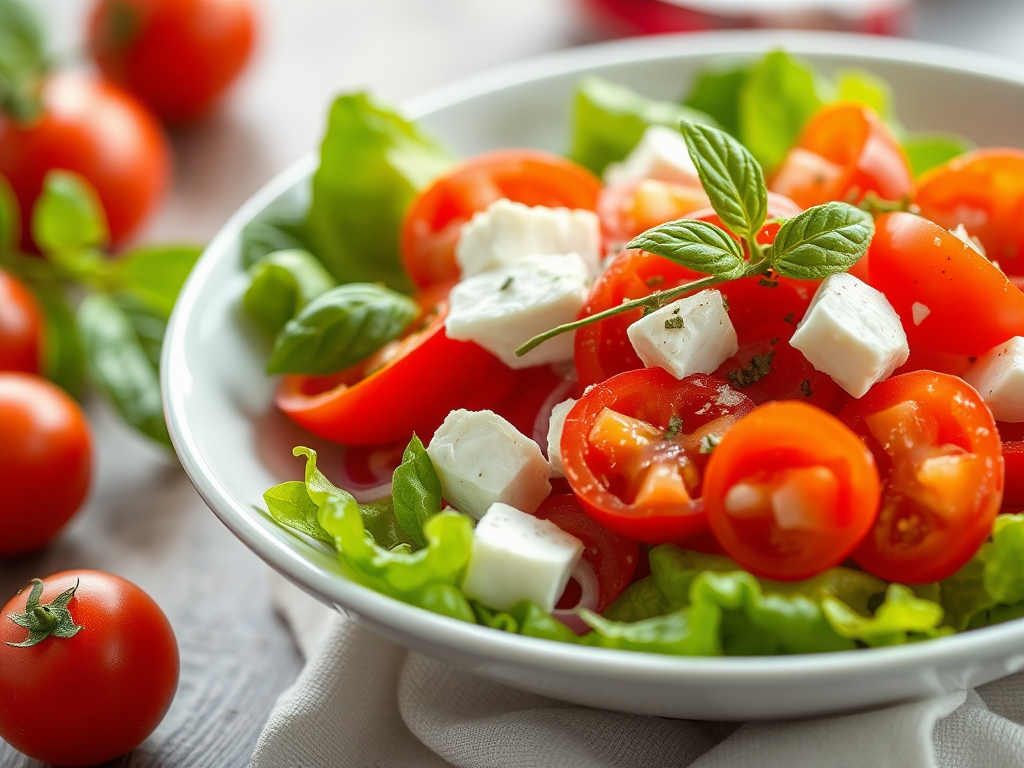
43 620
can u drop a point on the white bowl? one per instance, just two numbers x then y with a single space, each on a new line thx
234 445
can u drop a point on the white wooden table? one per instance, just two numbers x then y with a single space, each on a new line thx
144 521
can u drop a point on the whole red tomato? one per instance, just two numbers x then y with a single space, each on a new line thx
21 327
176 56
84 696
45 461
93 128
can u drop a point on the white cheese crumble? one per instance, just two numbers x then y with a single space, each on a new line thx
998 375
660 154
555 426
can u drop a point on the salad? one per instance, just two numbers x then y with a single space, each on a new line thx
739 375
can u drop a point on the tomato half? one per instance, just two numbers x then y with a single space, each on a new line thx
89 698
45 461
21 327
613 557
92 128
790 491
635 447
1012 437
431 226
603 349
844 152
938 454
631 208
950 298
208 41
984 191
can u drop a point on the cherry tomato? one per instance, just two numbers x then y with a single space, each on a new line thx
176 56
629 209
1012 436
613 558
949 297
431 226
93 128
984 191
635 447
45 461
938 454
90 697
21 327
790 491
844 152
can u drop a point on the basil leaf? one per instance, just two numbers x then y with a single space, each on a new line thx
22 60
372 162
731 178
609 119
821 241
10 218
930 150
63 359
340 328
282 284
697 245
149 324
290 505
68 217
416 491
716 92
270 232
121 366
156 274
777 99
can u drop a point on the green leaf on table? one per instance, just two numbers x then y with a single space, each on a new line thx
155 274
696 245
778 98
10 218
609 119
122 367
339 328
149 324
282 283
716 92
23 62
930 150
372 163
416 491
63 358
68 222
821 241
731 177
270 232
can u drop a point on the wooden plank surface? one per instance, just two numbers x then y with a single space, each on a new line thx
144 521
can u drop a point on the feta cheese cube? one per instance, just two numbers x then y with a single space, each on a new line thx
508 231
481 459
516 556
852 333
660 154
503 309
555 426
998 375
691 335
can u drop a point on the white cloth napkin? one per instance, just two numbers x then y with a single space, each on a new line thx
363 701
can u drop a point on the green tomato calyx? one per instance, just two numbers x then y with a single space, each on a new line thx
45 620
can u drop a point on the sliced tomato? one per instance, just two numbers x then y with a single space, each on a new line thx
1012 436
408 386
431 226
950 298
603 349
790 491
844 152
938 454
613 557
984 191
635 447
631 208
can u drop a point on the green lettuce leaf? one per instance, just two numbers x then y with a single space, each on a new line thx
372 162
980 592
716 92
930 150
525 618
609 119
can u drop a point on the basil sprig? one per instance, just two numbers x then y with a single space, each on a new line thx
339 328
815 243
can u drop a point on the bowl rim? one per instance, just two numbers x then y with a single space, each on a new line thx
1004 640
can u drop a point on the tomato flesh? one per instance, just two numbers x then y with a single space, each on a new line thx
790 491
631 208
938 453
